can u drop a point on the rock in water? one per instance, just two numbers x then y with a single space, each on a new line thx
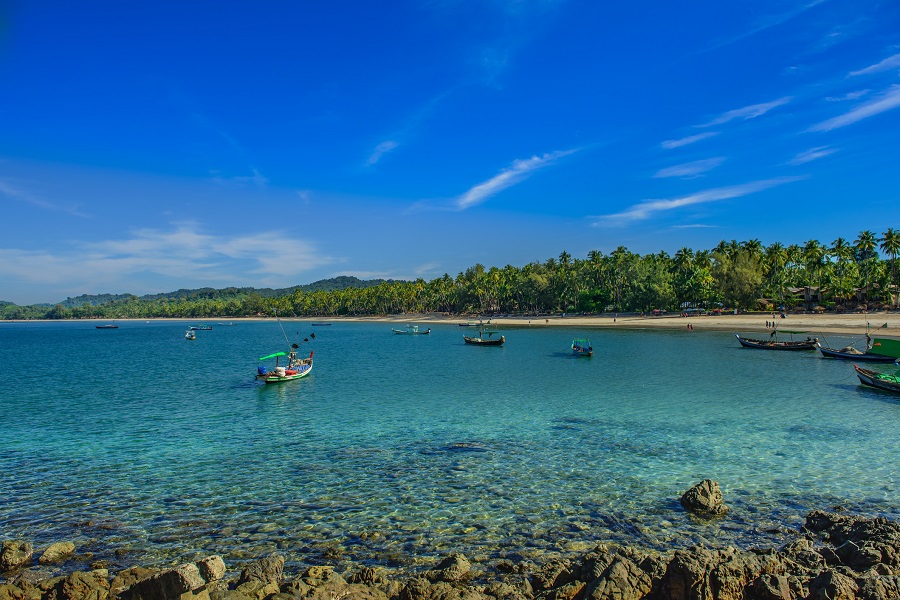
15 554
57 553
704 498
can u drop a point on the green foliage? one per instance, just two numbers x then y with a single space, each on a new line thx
744 275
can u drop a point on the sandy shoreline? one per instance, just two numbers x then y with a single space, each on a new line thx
846 324
853 324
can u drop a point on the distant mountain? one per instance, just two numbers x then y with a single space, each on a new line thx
323 285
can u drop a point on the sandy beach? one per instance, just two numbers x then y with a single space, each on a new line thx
844 324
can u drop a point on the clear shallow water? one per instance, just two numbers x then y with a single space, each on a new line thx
144 448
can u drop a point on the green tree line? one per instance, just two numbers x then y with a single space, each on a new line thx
745 275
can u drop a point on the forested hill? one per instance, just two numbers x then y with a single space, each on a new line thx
324 285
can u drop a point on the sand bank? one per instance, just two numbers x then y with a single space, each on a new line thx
848 324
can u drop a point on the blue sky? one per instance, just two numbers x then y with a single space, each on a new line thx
146 147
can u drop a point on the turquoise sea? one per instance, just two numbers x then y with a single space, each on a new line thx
144 448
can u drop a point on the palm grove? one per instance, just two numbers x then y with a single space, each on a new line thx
746 275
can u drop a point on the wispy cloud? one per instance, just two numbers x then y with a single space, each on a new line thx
891 62
690 169
11 190
811 155
379 151
256 178
649 208
516 172
768 22
671 144
848 96
183 253
748 112
884 102
694 226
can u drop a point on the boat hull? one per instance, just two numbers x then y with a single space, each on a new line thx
867 357
274 378
870 378
767 345
482 342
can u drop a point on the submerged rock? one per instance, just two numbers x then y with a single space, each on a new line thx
57 552
704 498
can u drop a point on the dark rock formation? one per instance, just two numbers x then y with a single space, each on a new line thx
705 498
15 554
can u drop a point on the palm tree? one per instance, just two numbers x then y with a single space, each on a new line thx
776 258
841 250
813 253
865 250
890 245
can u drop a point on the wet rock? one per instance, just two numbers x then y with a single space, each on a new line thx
182 582
832 585
269 570
622 580
80 586
56 553
771 587
368 576
11 592
702 574
874 586
422 589
128 577
705 498
858 543
453 568
212 568
554 574
15 554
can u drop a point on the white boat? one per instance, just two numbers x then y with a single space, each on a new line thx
411 330
190 335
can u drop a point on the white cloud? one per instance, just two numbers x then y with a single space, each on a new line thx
183 255
848 96
516 172
891 62
748 112
886 101
257 178
670 144
694 226
648 208
15 192
690 169
379 151
811 155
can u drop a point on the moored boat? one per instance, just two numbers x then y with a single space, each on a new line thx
883 381
851 353
296 367
807 344
201 327
485 337
190 335
106 326
411 330
582 347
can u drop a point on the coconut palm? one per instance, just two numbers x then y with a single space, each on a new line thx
890 245
865 252
813 254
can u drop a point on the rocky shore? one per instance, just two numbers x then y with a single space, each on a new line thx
832 557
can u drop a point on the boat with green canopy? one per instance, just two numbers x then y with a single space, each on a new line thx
294 368
582 347
889 382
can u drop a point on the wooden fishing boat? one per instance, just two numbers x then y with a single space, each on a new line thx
190 335
582 347
296 368
850 353
479 323
106 326
882 381
485 338
321 324
807 344
201 327
411 330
